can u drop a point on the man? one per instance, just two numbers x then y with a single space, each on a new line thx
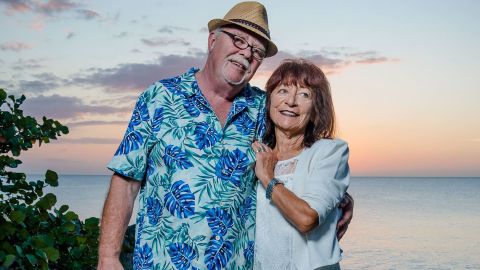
187 149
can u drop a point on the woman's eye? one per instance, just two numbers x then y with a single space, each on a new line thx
305 95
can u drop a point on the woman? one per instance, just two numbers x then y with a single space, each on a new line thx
302 171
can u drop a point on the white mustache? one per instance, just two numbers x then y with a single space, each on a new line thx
242 61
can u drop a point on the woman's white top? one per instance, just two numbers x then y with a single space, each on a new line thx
320 176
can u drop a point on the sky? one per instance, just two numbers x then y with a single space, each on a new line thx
405 75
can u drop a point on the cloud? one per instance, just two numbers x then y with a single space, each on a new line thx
28 64
47 8
133 77
135 51
331 61
164 42
62 107
38 23
88 14
96 123
55 6
121 35
203 29
14 46
169 29
43 82
328 64
373 60
90 140
17 5
476 140
136 76
7 86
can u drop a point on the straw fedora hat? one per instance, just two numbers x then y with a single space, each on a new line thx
251 16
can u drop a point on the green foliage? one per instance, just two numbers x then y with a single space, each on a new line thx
34 234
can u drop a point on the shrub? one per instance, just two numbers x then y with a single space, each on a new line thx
34 233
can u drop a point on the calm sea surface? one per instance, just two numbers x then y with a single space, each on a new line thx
399 223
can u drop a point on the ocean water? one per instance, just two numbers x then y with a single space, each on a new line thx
399 223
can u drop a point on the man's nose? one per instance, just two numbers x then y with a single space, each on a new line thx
247 52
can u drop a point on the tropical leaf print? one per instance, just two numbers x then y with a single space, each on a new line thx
238 106
174 157
261 125
157 119
139 223
248 93
244 124
151 167
180 200
245 209
248 252
181 255
140 113
231 166
154 210
195 105
194 86
219 221
205 135
218 253
143 258
130 142
173 84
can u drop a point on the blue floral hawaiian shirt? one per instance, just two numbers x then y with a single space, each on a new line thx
197 201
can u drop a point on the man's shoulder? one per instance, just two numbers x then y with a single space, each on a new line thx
169 85
256 91
255 95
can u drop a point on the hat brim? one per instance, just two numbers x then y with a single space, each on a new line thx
271 47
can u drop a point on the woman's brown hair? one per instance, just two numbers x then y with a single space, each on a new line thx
303 73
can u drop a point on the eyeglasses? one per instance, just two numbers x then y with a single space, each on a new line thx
241 43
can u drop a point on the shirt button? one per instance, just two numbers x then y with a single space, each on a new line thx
217 237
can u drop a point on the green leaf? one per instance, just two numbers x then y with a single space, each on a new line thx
7 228
9 259
51 178
63 209
41 254
19 250
52 253
32 259
69 227
71 216
76 252
91 223
47 201
3 95
17 216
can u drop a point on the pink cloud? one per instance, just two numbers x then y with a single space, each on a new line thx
55 6
38 24
88 14
47 8
373 60
17 5
14 46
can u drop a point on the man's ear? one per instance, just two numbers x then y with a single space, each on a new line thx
212 37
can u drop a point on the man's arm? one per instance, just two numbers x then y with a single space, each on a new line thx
347 207
116 215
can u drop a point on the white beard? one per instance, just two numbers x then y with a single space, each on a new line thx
245 62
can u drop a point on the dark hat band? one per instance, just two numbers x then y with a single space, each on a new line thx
251 24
